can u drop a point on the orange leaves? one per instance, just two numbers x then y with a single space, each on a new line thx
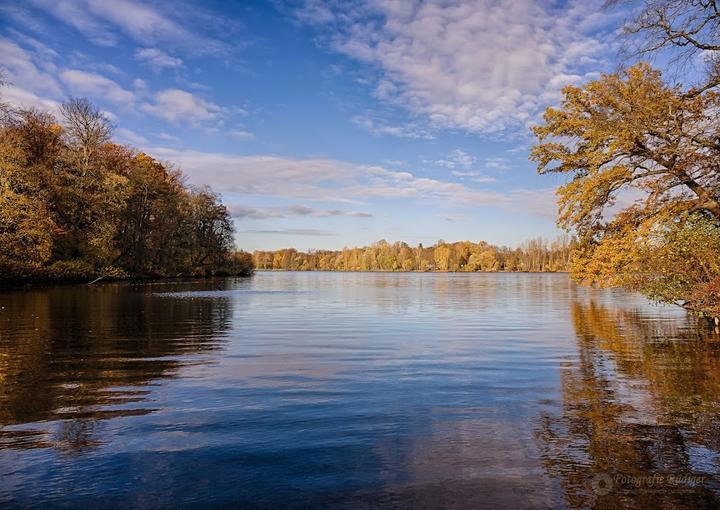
583 200
25 233
632 132
74 204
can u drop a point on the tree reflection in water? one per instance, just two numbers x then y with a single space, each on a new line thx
71 357
639 425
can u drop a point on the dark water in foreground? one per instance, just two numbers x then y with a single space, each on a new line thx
355 390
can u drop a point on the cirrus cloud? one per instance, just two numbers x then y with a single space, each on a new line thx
107 23
158 59
262 213
86 83
479 65
335 181
175 105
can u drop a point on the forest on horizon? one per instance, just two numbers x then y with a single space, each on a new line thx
535 255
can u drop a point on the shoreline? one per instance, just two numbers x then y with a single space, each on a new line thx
40 282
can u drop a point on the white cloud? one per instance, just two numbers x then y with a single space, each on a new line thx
303 210
255 213
21 17
177 105
37 46
457 158
479 65
315 11
105 22
140 85
261 213
320 179
314 179
158 59
96 86
110 116
78 15
30 74
130 137
378 126
78 59
293 232
460 163
383 183
519 149
241 134
536 202
25 99
31 71
331 180
497 163
167 137
455 217
474 176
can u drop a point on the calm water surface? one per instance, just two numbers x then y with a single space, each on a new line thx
352 390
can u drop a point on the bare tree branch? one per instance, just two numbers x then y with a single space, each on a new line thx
685 28
86 126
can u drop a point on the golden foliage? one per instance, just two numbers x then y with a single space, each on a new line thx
629 138
631 130
25 234
534 255
75 205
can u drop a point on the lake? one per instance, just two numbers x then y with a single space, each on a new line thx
355 390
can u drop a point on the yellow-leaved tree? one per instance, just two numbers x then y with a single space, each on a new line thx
643 161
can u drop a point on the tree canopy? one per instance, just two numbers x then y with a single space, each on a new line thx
642 158
631 130
75 205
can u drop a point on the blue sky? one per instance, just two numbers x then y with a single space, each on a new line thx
326 124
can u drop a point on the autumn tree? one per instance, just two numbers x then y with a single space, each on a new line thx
640 154
74 205
442 256
29 143
86 127
211 229
25 233
631 130
643 160
684 266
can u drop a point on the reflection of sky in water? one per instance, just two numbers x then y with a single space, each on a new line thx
347 389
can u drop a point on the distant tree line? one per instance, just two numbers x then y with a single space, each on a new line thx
534 255
75 205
